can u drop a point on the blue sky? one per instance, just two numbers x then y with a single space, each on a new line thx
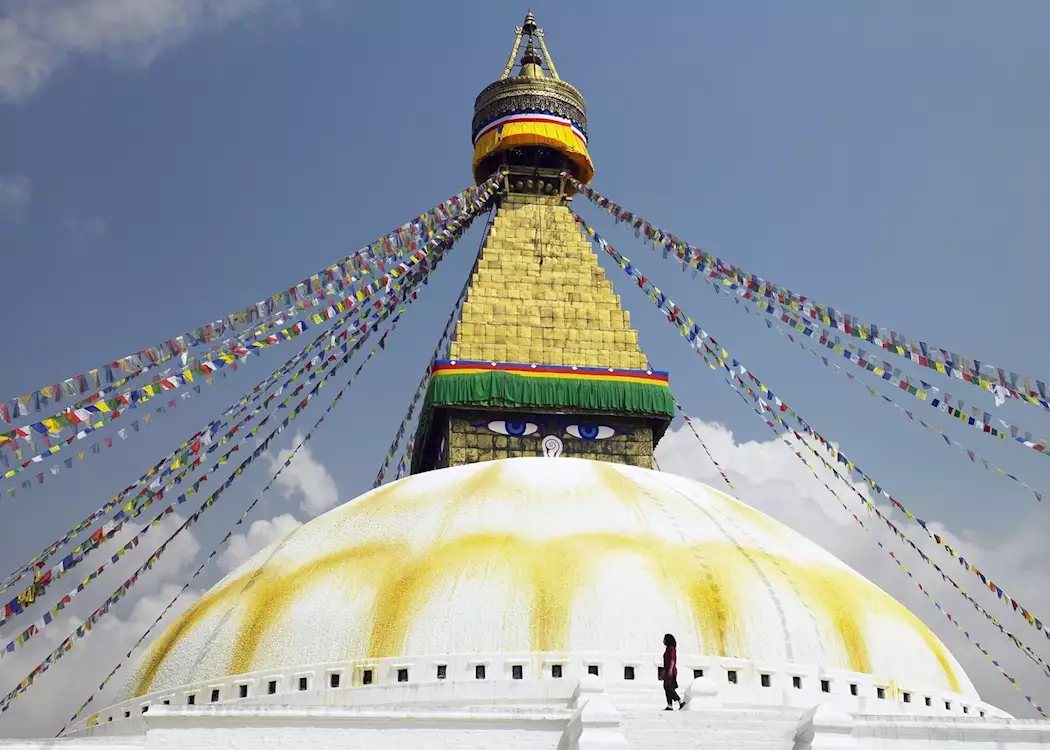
163 168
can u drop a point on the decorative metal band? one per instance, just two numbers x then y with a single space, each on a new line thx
516 95
463 366
536 117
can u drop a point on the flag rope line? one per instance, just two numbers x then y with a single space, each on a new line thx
980 421
903 568
19 604
421 279
205 435
893 380
285 335
425 380
926 355
322 283
697 336
488 186
674 316
446 236
703 445
114 406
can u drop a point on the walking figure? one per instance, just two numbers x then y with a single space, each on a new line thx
671 672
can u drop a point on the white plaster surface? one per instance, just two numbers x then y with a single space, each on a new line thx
635 527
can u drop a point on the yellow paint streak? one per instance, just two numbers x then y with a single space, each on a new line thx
710 579
481 484
932 642
170 638
274 594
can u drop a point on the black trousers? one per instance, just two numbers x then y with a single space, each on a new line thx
670 692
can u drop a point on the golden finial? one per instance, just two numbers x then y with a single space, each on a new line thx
531 63
529 27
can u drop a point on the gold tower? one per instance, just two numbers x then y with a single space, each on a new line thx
544 360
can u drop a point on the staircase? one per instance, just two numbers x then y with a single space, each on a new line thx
646 725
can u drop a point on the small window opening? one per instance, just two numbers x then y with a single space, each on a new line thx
402 675
145 709
880 692
333 680
215 695
731 674
825 686
698 673
127 714
982 714
853 688
947 705
765 680
366 677
628 673
243 690
479 672
110 719
516 672
966 709
271 687
929 701
302 683
796 682
556 671
442 671
166 702
592 669
907 697
191 699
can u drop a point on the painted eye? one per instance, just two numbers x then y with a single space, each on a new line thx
591 431
512 427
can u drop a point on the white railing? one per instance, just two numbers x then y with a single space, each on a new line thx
739 681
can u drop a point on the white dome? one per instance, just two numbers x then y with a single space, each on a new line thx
545 555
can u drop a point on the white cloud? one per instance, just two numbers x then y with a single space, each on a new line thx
37 37
56 694
91 228
305 478
261 534
769 477
16 190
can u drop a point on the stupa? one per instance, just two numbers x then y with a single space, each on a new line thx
514 590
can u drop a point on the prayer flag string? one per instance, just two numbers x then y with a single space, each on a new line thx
446 243
425 380
686 326
353 306
903 568
264 314
445 238
689 422
979 419
893 379
982 375
324 341
698 338
42 583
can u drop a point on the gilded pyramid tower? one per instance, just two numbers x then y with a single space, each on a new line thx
544 360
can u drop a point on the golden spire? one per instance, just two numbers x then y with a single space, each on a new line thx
533 110
531 63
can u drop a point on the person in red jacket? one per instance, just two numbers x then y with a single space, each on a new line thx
671 672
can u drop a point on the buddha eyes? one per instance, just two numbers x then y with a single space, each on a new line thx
521 428
591 431
512 428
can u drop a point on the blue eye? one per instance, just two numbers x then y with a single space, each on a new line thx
510 427
591 431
